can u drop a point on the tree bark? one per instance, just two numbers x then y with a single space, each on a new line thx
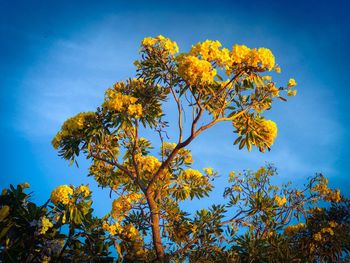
157 240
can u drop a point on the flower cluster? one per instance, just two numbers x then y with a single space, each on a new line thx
264 131
120 103
327 194
113 229
192 175
61 194
210 51
261 58
280 201
127 232
83 189
162 43
325 232
73 127
122 205
183 154
196 71
293 229
268 130
44 225
208 170
291 83
130 232
148 164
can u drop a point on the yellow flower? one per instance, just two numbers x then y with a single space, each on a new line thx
293 229
280 201
274 91
210 51
291 83
163 43
188 159
83 189
315 210
261 57
268 131
73 126
196 71
208 170
45 224
232 176
120 103
191 174
112 229
135 110
61 194
239 53
267 59
334 196
237 188
148 164
333 224
130 232
122 205
291 93
317 236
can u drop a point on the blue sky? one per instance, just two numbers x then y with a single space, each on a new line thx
58 57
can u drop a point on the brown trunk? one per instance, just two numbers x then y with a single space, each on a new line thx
157 240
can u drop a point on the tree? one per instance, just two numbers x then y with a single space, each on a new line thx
121 159
207 85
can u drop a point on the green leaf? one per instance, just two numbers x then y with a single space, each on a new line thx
237 140
241 145
4 212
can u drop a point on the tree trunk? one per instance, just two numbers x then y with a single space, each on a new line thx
157 240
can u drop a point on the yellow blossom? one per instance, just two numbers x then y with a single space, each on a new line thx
122 205
196 71
262 57
130 232
135 110
112 229
237 188
334 196
267 59
280 201
165 44
45 224
317 236
293 229
120 103
83 189
291 93
61 194
191 174
73 126
291 83
239 53
273 89
333 224
208 170
210 51
268 131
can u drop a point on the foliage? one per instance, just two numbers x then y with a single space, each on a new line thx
62 231
207 85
